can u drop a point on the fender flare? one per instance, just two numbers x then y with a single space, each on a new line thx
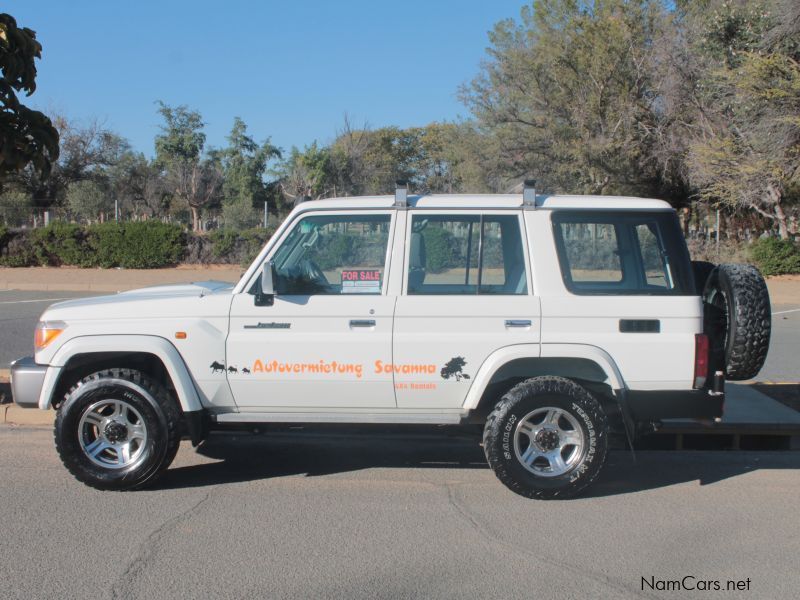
504 355
160 347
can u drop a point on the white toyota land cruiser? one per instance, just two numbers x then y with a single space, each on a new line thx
553 320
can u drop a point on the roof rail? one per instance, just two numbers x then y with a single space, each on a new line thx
401 194
529 194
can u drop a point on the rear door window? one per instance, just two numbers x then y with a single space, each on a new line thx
460 254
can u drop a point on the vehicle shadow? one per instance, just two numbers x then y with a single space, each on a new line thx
315 452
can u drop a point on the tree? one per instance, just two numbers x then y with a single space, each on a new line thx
26 136
181 137
308 174
15 207
197 184
192 180
88 200
244 164
566 93
744 136
138 186
87 150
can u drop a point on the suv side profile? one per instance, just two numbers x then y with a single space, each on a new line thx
552 321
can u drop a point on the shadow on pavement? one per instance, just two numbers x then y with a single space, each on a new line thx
243 457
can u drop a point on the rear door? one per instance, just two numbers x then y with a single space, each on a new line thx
629 292
466 294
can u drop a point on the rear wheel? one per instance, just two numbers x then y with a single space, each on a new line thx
547 438
117 429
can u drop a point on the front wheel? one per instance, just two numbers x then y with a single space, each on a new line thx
547 438
117 429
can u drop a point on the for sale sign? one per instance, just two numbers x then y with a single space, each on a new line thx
361 281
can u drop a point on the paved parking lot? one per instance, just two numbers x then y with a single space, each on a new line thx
331 515
342 513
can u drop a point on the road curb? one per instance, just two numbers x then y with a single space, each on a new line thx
14 415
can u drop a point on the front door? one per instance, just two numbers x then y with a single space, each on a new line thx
466 295
315 347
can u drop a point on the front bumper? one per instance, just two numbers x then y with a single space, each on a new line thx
27 380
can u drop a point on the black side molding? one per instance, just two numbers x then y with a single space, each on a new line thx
640 326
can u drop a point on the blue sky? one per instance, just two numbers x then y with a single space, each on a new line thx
291 70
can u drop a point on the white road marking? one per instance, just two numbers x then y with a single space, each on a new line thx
37 300
783 312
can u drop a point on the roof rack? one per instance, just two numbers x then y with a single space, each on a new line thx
529 194
401 194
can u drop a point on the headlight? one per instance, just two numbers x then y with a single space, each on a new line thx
46 332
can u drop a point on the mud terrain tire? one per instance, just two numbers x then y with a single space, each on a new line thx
520 448
738 320
110 411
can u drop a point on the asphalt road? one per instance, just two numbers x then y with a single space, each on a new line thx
310 515
19 312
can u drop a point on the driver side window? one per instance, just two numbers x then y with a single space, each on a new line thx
332 255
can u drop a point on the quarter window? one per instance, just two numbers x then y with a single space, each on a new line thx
631 253
466 254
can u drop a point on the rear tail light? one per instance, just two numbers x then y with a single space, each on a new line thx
700 360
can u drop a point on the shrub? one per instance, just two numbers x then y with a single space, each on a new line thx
60 244
441 249
776 257
239 247
253 241
223 242
135 245
15 250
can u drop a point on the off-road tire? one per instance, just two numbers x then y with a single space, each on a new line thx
159 412
701 270
738 320
521 400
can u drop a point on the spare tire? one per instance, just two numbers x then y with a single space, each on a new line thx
701 270
738 320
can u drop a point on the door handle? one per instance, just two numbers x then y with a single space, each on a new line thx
518 322
362 323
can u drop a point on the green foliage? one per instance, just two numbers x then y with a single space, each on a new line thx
59 244
240 214
568 92
253 241
26 136
181 137
776 257
142 245
232 246
244 163
135 245
15 206
223 242
87 200
333 250
441 249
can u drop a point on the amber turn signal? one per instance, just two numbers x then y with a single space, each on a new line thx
180 335
46 332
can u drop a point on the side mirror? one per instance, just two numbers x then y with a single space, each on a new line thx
265 295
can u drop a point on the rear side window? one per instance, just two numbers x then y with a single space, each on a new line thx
466 254
622 253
